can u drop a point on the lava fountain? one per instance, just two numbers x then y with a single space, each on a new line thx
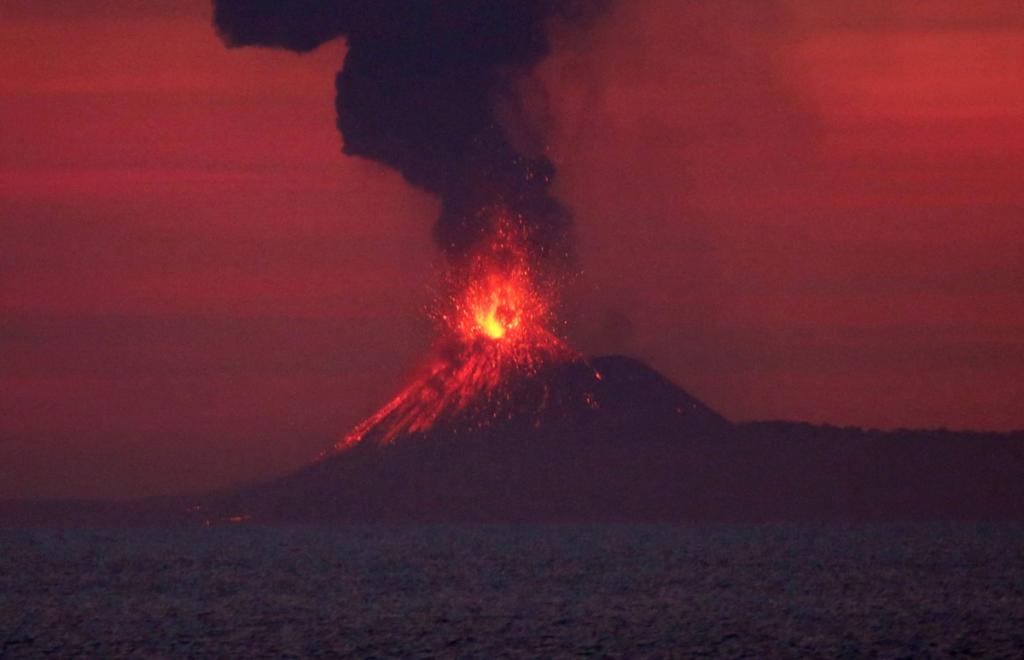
495 328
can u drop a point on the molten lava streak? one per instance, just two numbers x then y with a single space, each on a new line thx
495 325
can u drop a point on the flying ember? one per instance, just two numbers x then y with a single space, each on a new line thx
494 325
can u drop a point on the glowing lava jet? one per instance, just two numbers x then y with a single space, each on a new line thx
496 327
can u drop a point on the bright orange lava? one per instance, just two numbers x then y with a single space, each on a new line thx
490 324
497 293
496 323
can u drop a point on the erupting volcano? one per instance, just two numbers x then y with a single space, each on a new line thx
504 421
496 328
428 88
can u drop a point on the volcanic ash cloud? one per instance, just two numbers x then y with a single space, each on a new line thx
418 92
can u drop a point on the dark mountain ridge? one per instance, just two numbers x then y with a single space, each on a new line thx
629 446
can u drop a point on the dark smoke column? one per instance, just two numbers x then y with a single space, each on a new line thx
418 92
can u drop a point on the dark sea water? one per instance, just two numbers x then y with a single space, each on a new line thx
754 591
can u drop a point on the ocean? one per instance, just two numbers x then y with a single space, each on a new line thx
515 591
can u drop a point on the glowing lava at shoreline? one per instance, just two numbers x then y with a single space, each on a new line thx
495 327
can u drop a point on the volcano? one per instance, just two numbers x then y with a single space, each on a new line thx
633 447
504 422
574 438
629 446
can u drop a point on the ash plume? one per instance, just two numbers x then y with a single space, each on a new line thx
418 92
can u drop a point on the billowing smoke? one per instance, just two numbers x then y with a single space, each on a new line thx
419 92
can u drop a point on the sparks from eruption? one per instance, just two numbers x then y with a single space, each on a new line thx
494 324
496 294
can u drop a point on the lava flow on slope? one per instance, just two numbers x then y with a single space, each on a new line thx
496 329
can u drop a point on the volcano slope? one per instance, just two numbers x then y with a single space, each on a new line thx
631 446
561 445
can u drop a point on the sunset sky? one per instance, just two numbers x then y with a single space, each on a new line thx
801 209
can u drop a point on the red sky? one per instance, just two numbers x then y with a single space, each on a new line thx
801 209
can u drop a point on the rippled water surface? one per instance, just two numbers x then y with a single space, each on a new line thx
480 591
